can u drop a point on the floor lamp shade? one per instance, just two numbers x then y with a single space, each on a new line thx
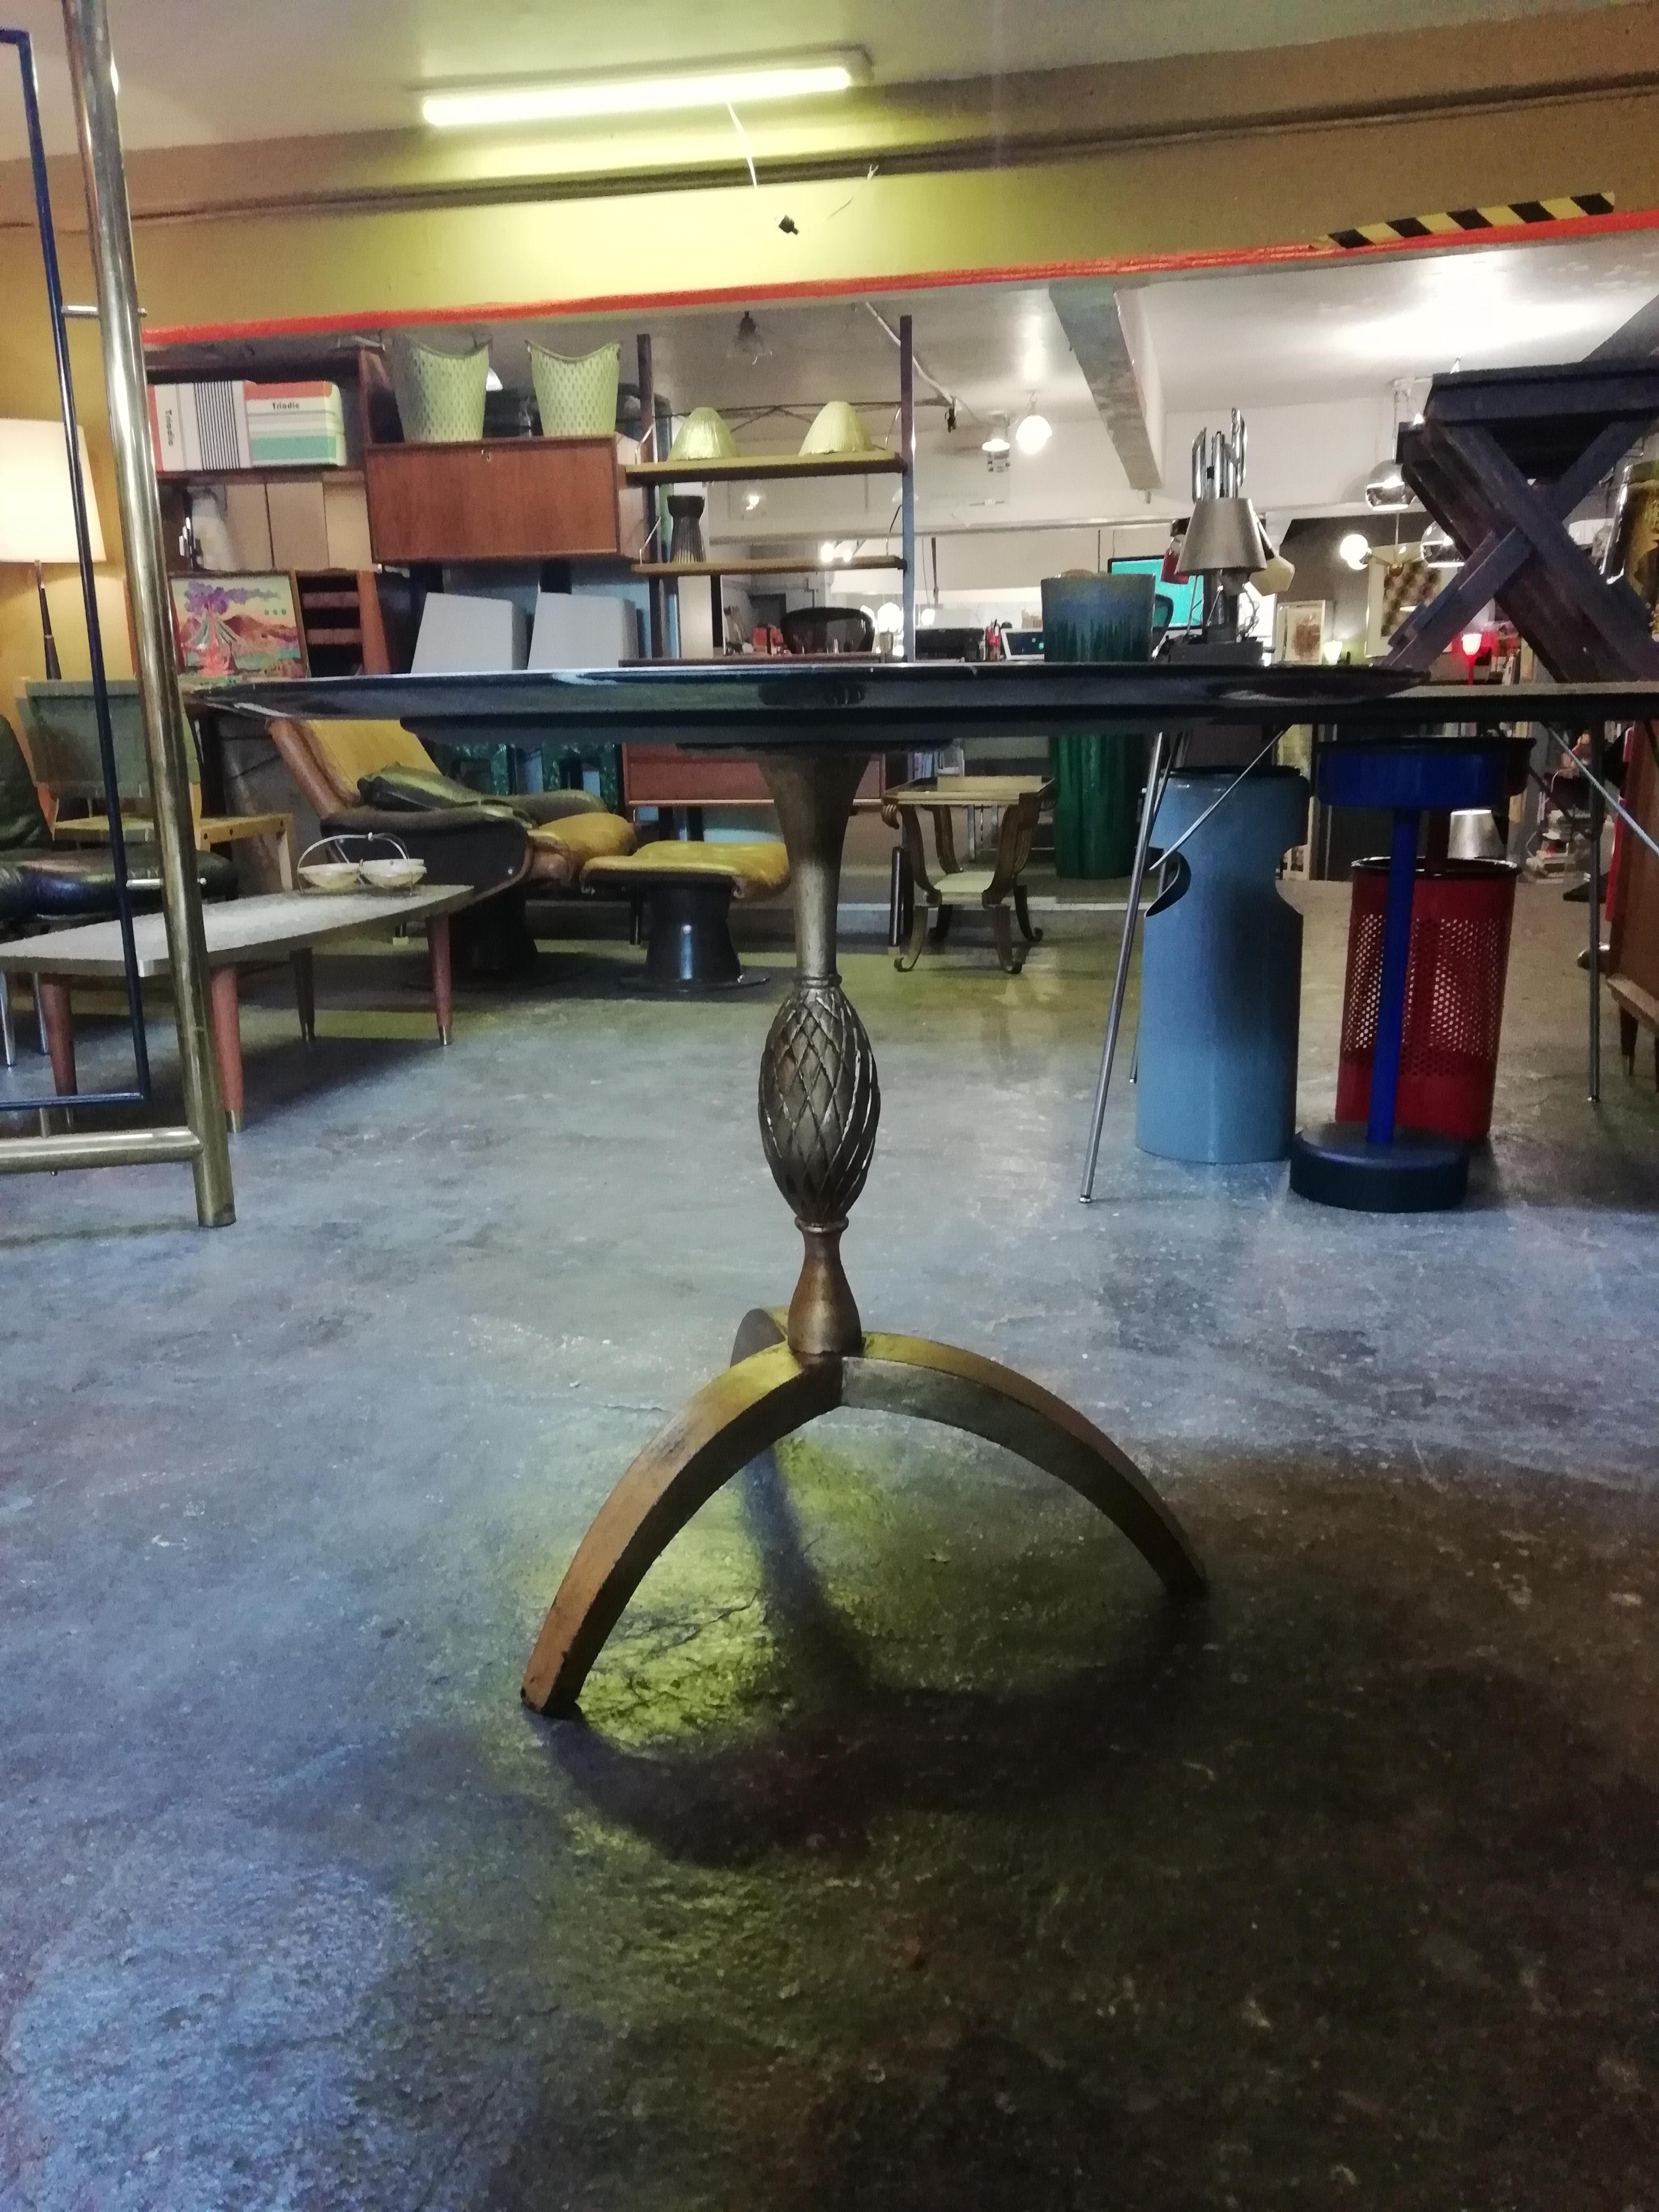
37 520
37 513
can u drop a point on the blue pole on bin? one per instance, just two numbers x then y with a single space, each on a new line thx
1396 961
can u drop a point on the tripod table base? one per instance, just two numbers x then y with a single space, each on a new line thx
766 1394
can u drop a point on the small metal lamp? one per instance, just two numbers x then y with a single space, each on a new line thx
1224 542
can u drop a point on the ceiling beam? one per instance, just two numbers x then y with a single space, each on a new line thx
1107 327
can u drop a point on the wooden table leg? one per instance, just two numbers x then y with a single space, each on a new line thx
228 1040
53 996
1010 961
437 943
305 992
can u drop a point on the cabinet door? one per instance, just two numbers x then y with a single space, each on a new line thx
505 499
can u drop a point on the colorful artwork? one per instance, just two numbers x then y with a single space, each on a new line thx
238 626
1302 632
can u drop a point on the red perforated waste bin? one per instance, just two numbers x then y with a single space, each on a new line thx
1462 911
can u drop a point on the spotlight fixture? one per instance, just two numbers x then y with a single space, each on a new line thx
580 99
996 448
1354 551
1032 432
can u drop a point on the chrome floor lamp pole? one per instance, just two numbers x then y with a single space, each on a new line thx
92 78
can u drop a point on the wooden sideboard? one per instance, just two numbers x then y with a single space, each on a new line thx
503 499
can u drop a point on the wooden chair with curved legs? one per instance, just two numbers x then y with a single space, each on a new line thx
947 885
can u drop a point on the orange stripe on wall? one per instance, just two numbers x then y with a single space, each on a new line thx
1303 255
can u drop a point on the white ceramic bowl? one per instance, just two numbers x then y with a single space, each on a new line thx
330 876
392 875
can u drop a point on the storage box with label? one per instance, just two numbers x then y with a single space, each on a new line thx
295 425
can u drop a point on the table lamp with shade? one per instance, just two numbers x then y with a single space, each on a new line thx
37 515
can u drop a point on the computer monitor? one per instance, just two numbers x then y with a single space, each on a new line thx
1186 592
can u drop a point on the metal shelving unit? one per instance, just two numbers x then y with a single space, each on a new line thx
651 477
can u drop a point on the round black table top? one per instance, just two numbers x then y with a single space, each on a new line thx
755 704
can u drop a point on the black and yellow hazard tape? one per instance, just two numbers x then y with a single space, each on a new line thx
1513 215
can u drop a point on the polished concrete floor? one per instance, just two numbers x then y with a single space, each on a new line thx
912 1852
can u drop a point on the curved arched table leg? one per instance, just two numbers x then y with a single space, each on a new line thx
766 1394
962 1390
760 1328
730 1421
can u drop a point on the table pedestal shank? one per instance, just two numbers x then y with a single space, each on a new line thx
820 1104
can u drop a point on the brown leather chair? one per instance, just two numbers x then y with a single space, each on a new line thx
376 778
347 764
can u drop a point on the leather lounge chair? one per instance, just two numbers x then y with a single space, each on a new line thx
375 776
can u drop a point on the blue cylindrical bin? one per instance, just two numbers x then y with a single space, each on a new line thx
1221 973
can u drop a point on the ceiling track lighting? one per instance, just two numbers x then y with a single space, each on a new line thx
582 100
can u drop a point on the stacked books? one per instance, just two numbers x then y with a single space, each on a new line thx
200 429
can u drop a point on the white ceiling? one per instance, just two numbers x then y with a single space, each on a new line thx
1314 357
1280 335
202 71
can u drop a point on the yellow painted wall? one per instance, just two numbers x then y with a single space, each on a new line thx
1228 153
28 387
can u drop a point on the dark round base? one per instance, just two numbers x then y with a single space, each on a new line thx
688 948
1335 1165
645 985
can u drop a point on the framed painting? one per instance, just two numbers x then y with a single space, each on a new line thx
1301 627
239 625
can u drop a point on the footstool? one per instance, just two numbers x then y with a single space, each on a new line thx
686 886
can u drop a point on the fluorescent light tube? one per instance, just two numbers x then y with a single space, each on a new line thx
577 100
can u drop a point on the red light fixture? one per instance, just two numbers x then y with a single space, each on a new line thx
1472 641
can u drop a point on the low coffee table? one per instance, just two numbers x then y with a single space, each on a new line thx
241 933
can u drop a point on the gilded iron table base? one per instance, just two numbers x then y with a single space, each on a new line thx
820 1104
765 1395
